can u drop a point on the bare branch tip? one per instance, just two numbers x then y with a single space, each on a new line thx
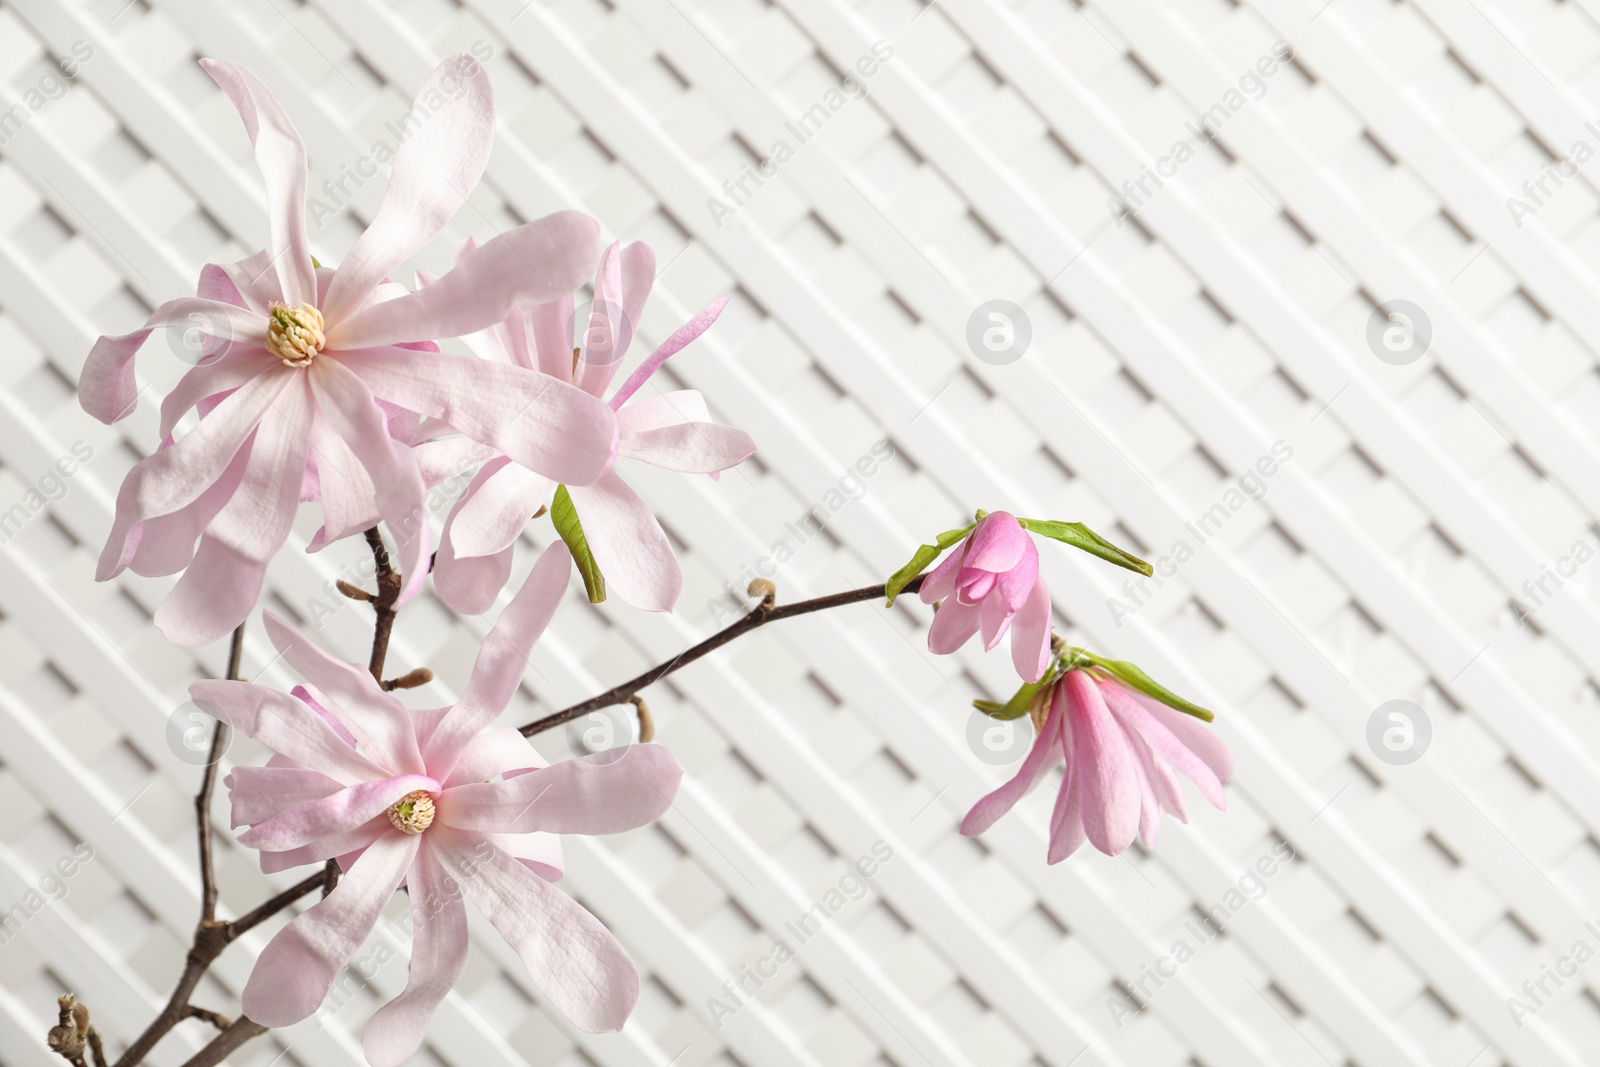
354 592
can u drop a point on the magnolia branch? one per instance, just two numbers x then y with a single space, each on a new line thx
769 610
74 1038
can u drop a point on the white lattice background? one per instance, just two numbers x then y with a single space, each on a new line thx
1169 353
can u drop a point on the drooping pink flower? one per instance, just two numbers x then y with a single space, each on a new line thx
1123 754
670 430
991 583
440 803
318 370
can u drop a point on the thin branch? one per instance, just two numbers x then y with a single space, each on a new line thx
226 1043
215 1018
766 611
261 913
389 583
208 785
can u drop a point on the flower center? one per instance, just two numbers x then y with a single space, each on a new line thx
412 813
294 335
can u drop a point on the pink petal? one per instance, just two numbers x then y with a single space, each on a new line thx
536 262
1066 820
166 543
1108 798
691 447
1166 746
349 499
493 753
540 853
471 585
449 457
1030 634
941 583
994 619
287 726
438 956
496 506
259 793
1149 803
1163 783
1044 754
253 282
318 703
628 543
501 660
343 847
1195 735
572 958
105 387
953 624
603 346
282 159
1014 586
551 326
216 593
343 400
544 424
998 544
218 590
221 374
341 812
256 520
607 793
672 408
679 340
296 969
175 477
974 585
378 720
437 165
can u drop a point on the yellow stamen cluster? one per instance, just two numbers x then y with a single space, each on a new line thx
294 335
412 813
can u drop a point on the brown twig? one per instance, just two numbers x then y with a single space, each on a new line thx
215 1018
766 611
389 583
226 1043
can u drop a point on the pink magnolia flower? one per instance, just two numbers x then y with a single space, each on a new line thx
1123 754
316 371
991 582
438 802
671 430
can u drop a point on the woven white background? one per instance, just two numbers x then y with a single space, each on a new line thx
1166 359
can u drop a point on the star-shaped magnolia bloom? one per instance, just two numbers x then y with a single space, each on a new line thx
310 371
442 804
671 430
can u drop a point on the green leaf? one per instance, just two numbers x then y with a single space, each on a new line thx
1137 679
921 560
1078 535
1017 706
565 517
